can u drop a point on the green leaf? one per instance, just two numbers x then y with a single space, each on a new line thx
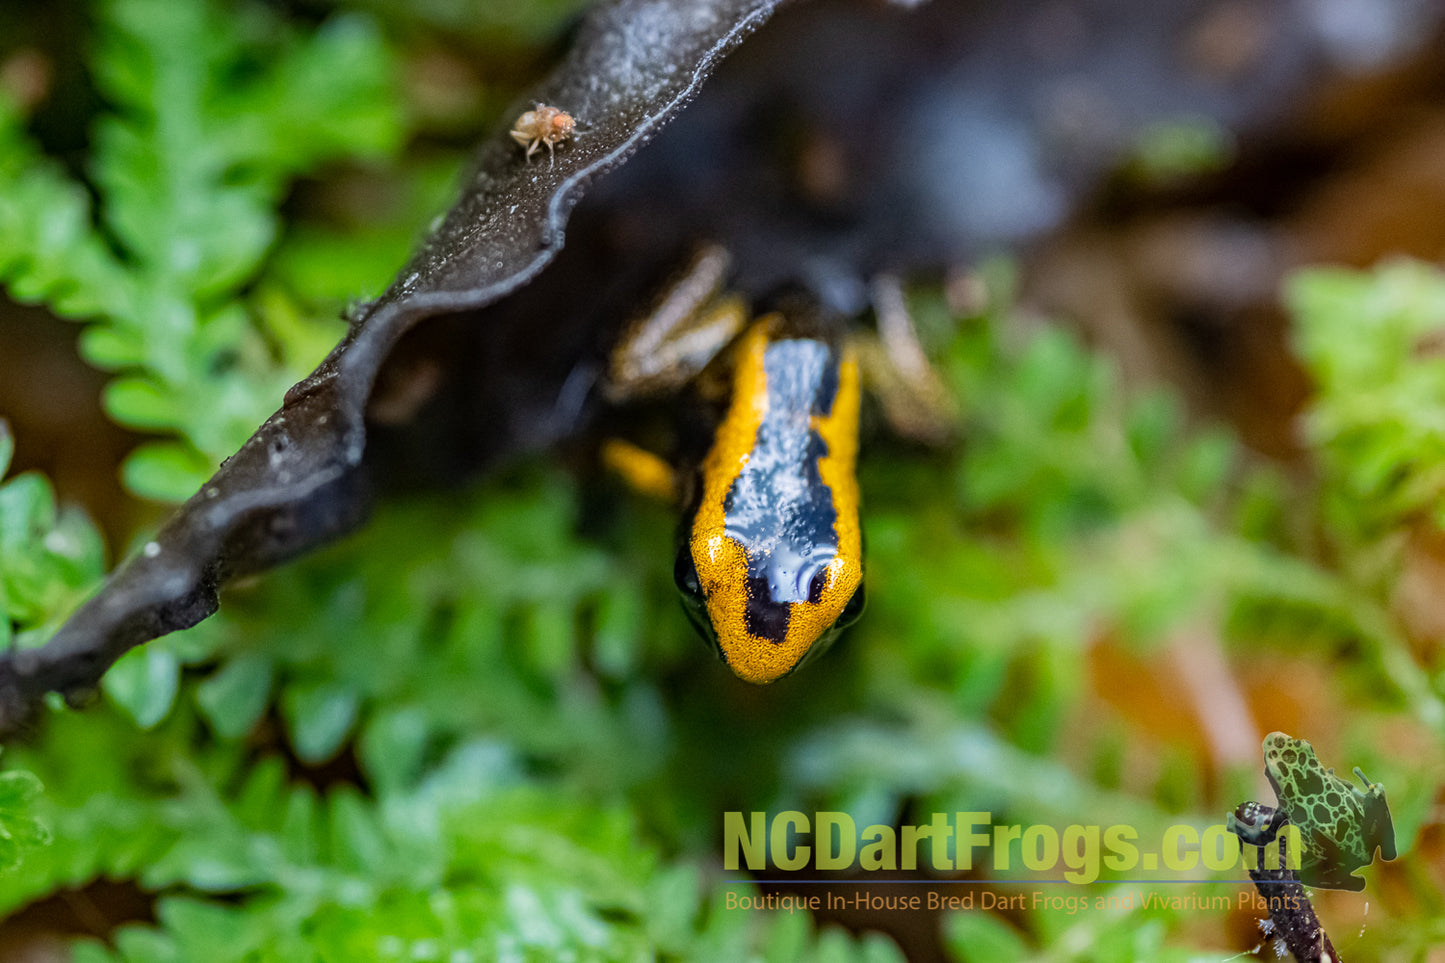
976 937
393 747
47 559
166 471
110 349
788 937
205 931
142 944
356 839
620 621
549 638
319 717
27 510
17 790
234 698
87 950
301 825
141 403
20 830
877 948
144 683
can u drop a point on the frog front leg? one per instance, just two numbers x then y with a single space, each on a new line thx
661 351
689 325
915 401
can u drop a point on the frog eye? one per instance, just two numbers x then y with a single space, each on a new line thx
816 585
853 609
694 602
684 573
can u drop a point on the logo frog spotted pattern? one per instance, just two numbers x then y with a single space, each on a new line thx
1340 825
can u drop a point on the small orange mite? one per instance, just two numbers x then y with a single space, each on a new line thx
542 125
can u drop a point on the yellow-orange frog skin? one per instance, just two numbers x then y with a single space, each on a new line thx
771 565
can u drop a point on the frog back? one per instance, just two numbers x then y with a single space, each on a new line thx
1339 823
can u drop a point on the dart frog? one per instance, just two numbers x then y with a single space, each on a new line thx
1340 825
770 564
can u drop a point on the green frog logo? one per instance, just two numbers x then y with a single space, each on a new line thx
1340 825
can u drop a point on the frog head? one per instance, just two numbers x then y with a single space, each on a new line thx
1295 774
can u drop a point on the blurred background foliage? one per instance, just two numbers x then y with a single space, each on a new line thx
480 728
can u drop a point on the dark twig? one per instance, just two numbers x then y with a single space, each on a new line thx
1292 920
